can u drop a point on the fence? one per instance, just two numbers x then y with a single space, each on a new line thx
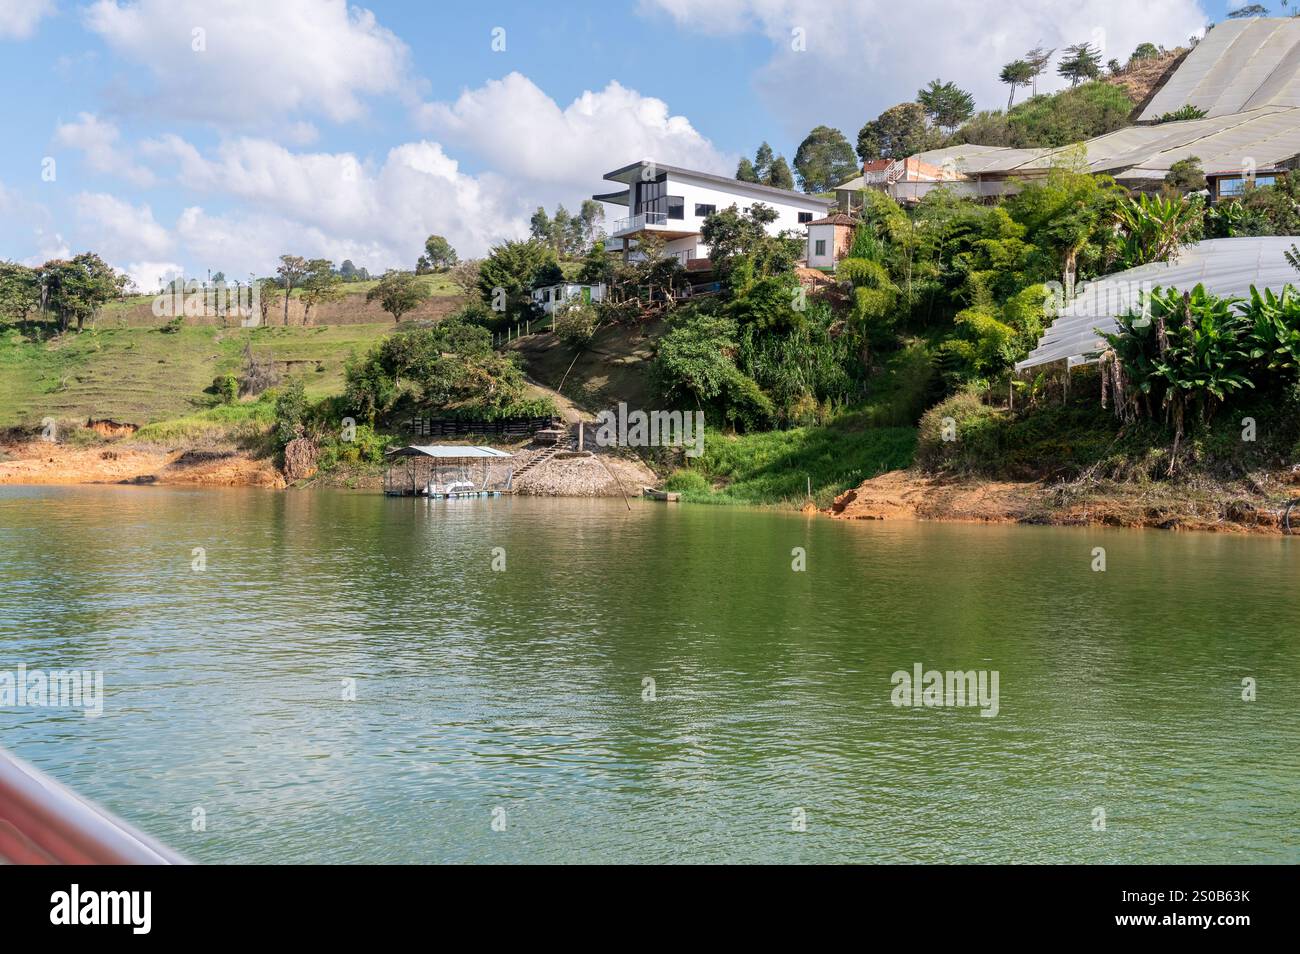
456 427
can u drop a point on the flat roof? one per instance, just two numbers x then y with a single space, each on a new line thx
447 451
622 175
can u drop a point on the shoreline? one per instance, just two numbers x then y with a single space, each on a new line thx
1252 506
41 463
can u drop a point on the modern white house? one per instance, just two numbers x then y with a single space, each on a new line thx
672 203
548 296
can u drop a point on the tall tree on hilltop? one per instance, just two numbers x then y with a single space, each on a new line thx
780 176
896 133
1016 73
291 270
824 160
1080 62
745 171
947 104
1038 58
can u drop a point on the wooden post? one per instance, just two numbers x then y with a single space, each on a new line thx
579 435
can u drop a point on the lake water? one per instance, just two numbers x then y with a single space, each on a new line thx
519 696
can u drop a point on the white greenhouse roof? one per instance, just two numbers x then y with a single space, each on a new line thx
1240 65
446 451
1227 267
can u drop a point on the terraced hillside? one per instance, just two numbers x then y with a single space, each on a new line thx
139 375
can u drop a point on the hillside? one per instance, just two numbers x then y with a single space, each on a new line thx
140 375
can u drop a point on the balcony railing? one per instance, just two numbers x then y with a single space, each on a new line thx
636 223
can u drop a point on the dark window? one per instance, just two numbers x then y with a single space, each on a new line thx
676 207
652 199
805 218
701 210
819 247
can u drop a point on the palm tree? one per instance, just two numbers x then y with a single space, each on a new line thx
1016 73
1038 58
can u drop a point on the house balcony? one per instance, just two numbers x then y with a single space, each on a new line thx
656 223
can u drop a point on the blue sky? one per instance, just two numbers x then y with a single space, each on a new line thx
217 134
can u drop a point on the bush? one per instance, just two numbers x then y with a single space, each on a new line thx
226 387
290 413
575 322
687 482
973 432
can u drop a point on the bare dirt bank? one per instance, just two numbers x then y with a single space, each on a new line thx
40 462
1250 506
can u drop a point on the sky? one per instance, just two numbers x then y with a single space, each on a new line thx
192 136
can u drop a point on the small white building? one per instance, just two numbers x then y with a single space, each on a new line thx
672 203
829 239
548 296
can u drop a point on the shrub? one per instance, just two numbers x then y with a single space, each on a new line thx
961 435
575 322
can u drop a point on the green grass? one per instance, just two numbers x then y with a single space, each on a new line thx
436 285
775 467
144 375
243 422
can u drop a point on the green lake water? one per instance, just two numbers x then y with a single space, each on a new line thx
519 695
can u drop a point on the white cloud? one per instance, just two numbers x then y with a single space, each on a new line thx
18 18
98 140
519 130
331 205
118 230
246 61
862 56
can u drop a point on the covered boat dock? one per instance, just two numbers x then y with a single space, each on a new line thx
447 471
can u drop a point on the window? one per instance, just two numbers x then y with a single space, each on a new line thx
805 218
702 209
652 200
1237 185
819 247
676 207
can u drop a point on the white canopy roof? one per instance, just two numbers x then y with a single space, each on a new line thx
1227 267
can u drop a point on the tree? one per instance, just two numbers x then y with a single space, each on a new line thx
268 293
320 283
438 255
779 176
763 162
947 105
1080 62
896 133
1186 175
464 275
292 269
20 290
745 171
592 215
507 276
1145 51
824 160
1250 10
398 292
1016 73
1038 58
1154 229
539 226
348 271
80 287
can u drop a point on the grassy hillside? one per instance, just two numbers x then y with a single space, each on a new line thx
139 375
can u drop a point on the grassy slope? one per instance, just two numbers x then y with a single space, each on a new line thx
140 375
437 285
